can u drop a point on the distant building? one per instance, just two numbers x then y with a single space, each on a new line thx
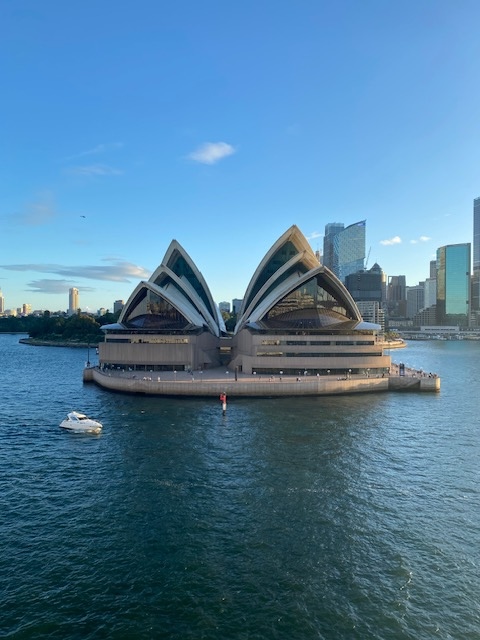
453 284
368 285
426 317
236 304
118 305
397 297
415 299
475 307
372 311
26 309
224 307
430 292
344 248
73 301
102 311
2 302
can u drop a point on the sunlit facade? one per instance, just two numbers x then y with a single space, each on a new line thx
344 248
298 318
476 259
295 317
169 323
453 284
73 301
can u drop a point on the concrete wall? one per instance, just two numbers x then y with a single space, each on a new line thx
201 351
247 344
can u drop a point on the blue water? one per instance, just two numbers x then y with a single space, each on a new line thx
332 517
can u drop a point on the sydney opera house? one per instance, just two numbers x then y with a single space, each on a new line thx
296 316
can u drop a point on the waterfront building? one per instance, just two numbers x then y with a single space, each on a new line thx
344 248
73 301
475 306
453 284
296 317
169 323
430 292
426 317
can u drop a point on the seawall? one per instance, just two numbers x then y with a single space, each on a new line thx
252 386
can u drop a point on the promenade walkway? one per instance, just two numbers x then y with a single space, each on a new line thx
213 382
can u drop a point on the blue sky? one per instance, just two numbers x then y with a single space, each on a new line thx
221 124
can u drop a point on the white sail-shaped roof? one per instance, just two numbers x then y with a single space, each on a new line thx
286 267
176 282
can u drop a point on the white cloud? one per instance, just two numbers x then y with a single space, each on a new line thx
314 235
94 170
391 241
421 239
55 286
211 152
119 271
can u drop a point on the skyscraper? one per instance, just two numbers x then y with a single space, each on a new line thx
72 301
453 284
476 257
397 296
2 302
118 306
344 248
368 285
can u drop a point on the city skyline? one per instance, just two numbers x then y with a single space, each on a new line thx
222 125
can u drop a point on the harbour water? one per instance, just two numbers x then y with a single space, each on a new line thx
333 517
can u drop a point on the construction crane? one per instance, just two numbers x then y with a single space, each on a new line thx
368 257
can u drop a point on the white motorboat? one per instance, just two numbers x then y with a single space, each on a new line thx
81 423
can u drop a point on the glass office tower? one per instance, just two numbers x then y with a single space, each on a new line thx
476 257
344 248
453 284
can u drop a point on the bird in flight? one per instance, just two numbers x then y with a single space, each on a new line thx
83 216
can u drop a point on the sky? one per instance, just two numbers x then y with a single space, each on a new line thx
126 124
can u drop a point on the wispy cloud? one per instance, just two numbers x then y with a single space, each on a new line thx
119 271
314 235
391 241
55 286
94 170
211 152
100 148
37 213
420 239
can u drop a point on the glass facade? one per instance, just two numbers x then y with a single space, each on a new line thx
181 268
151 311
312 305
344 248
476 256
287 251
453 284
